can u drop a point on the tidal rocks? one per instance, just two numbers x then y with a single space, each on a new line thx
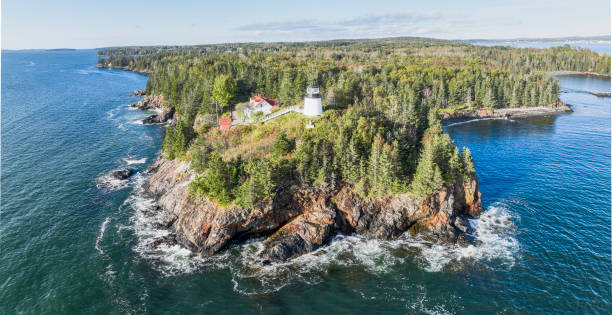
159 118
139 93
149 102
601 94
300 219
122 174
169 240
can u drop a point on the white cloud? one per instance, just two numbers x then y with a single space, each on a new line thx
388 24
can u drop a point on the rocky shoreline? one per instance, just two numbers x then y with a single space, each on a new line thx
153 103
601 94
300 219
504 113
146 72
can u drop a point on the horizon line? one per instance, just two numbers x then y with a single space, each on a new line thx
569 38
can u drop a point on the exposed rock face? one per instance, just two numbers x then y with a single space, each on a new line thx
482 113
149 102
301 219
123 174
159 118
139 93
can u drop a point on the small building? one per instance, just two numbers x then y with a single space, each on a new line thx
225 124
312 101
260 103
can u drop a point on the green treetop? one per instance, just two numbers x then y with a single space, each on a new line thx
224 89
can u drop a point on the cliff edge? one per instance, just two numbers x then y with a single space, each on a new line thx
300 219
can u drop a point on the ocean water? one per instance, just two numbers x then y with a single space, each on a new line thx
67 246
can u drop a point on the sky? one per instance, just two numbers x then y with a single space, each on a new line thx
28 24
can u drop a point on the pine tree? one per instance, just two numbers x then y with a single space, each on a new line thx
467 162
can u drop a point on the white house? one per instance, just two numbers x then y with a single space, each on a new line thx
260 103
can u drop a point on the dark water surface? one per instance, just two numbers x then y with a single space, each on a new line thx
69 247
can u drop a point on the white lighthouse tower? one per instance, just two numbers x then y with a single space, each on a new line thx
312 101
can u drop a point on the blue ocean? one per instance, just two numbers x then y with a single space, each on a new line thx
74 241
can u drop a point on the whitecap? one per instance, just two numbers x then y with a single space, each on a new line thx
86 71
101 235
134 161
111 114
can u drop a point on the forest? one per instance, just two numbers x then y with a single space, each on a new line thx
380 132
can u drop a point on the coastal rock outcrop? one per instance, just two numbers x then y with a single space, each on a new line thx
122 174
484 113
159 118
300 219
139 93
149 102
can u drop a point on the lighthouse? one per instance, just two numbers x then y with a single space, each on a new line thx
312 101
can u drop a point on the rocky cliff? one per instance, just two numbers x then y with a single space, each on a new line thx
150 102
154 102
301 219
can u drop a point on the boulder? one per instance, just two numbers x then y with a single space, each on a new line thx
123 174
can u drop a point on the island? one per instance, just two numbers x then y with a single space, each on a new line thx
299 142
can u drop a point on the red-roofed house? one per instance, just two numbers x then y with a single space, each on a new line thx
260 103
225 124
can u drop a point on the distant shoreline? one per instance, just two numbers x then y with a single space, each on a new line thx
147 72
580 73
504 113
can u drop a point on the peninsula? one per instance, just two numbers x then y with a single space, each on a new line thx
248 152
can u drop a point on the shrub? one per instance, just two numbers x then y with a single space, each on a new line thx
283 145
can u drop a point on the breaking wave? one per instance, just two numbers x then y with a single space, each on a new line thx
168 259
101 235
109 183
496 247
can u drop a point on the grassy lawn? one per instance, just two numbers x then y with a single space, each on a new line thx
255 140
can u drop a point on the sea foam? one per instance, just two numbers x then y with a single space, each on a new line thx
129 161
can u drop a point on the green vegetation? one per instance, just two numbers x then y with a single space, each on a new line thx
224 89
379 134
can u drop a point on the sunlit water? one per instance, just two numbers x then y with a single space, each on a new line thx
67 246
